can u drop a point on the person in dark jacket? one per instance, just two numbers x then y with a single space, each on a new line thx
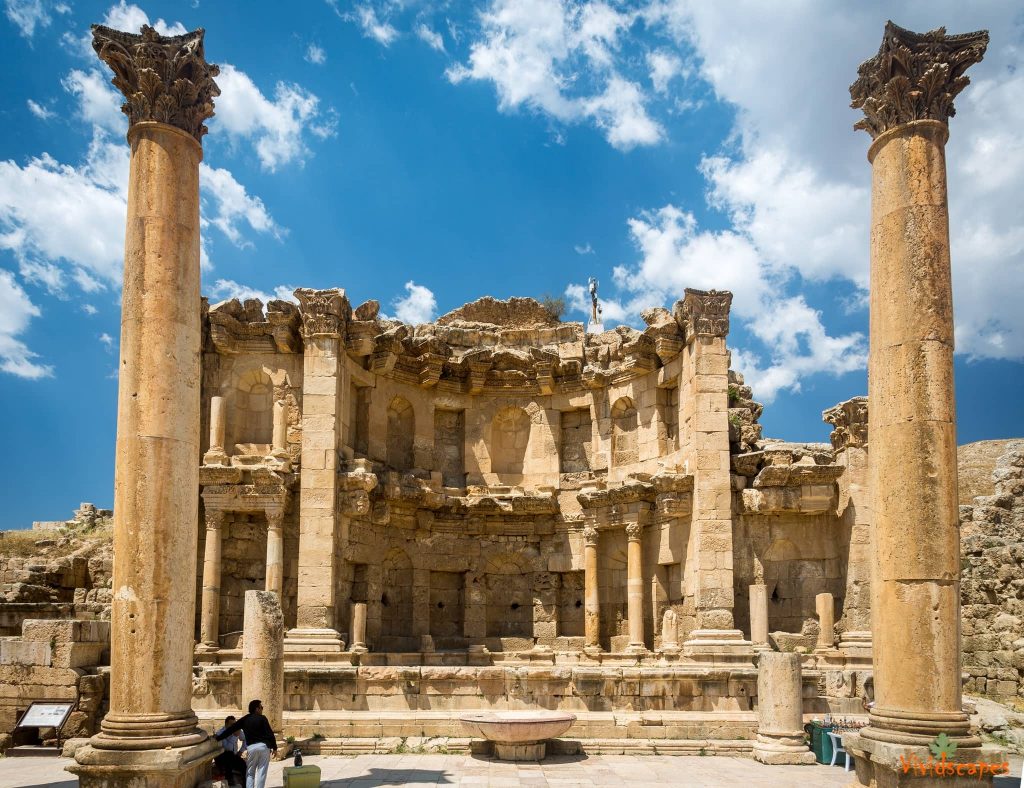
260 742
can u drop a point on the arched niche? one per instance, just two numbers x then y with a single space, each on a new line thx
510 437
251 416
625 441
401 432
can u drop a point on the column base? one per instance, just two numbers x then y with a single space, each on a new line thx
524 751
782 749
759 647
887 765
918 729
719 646
594 652
301 640
856 640
636 649
170 767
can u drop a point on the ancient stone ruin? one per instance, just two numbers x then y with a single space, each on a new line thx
380 527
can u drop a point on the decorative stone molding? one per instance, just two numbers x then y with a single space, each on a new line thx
914 76
849 422
634 531
164 79
703 313
590 536
324 312
242 328
214 518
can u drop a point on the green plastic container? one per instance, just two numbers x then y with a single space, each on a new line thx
821 744
302 777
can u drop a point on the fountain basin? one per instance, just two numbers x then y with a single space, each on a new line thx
518 735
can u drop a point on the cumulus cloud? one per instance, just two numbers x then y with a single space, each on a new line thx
131 18
418 305
276 127
316 55
98 103
230 204
16 311
226 289
27 15
563 60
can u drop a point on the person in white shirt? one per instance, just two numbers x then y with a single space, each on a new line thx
230 761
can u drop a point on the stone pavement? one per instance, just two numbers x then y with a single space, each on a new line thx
365 771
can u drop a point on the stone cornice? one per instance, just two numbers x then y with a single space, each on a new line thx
849 422
165 79
914 76
234 328
703 313
324 312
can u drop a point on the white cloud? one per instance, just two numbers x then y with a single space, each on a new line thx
418 305
16 311
226 289
130 18
379 30
431 37
98 102
39 110
107 341
27 15
316 55
583 249
274 127
89 309
233 205
563 60
664 66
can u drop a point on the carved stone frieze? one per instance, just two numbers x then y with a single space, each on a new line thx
703 313
324 312
165 79
849 422
914 76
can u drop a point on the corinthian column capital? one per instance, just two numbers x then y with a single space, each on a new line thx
324 312
914 76
703 313
165 79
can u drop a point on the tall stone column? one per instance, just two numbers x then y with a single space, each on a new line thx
704 319
275 552
591 592
150 735
906 93
635 586
209 621
324 314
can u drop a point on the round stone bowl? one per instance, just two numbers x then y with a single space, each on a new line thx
518 735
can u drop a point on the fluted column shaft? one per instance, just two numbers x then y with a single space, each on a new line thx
591 595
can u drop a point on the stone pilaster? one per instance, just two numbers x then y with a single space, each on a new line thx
906 92
591 592
150 735
209 622
635 587
849 438
704 319
275 551
324 393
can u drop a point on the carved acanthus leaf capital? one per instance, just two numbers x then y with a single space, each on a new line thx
215 518
590 536
323 311
163 78
634 531
849 422
704 313
914 76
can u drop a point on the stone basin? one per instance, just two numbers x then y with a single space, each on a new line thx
518 735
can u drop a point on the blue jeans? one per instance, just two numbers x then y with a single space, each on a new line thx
257 764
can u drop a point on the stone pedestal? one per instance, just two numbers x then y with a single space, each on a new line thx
150 736
780 721
531 751
885 765
263 655
906 93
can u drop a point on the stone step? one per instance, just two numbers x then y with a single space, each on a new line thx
31 751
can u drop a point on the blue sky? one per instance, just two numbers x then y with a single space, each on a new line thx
425 154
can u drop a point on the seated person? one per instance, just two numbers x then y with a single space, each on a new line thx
230 761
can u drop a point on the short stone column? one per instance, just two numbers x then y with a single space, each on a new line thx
759 617
591 593
275 552
151 735
357 632
635 587
280 434
263 655
216 455
825 607
906 93
780 715
209 621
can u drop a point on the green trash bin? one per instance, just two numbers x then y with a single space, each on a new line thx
302 776
821 744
